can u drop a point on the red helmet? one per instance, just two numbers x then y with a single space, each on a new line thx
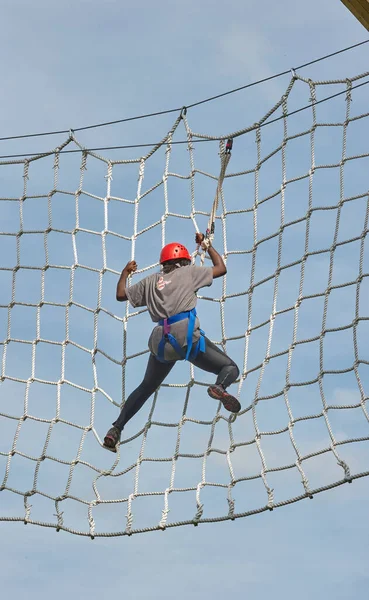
173 251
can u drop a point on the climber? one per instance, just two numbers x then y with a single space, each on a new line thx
170 297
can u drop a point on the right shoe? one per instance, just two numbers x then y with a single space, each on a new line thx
112 439
230 403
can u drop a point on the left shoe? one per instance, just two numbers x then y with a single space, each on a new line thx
229 402
111 439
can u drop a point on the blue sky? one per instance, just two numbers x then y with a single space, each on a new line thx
86 62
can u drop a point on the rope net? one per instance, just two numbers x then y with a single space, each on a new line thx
292 311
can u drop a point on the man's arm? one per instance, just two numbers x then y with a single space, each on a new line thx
130 267
219 268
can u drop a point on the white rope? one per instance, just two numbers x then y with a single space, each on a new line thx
225 155
46 479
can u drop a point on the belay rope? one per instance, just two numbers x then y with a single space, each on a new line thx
225 157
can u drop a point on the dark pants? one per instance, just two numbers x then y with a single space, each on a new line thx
213 360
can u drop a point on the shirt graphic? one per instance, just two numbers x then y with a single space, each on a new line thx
162 283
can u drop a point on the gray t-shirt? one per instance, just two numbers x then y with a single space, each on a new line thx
166 295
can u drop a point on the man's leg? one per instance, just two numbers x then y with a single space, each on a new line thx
213 360
155 374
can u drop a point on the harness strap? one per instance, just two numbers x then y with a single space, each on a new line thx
168 337
191 327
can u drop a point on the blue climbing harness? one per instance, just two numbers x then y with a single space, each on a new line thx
168 337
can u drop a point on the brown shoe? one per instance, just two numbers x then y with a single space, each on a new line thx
111 439
229 402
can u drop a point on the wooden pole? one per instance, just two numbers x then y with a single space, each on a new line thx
360 10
